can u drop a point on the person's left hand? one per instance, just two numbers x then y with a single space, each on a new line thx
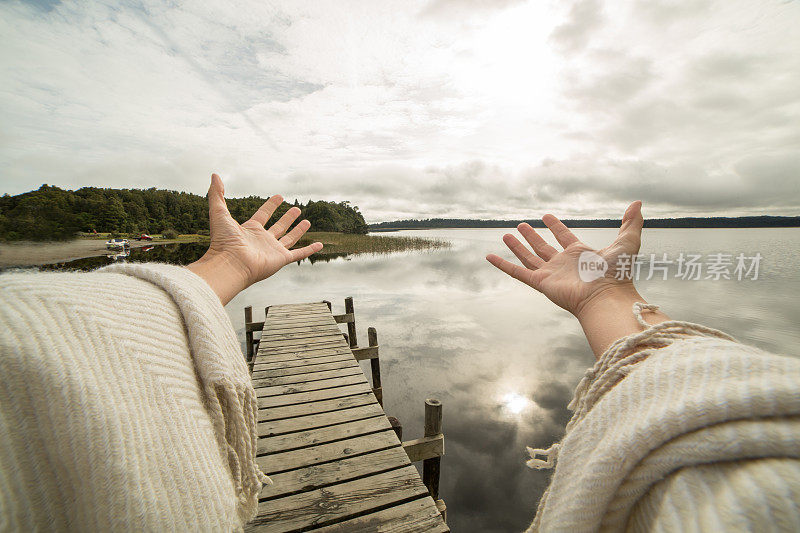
243 254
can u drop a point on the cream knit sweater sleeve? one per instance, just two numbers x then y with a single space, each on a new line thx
125 404
678 428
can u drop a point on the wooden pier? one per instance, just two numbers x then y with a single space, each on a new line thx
335 459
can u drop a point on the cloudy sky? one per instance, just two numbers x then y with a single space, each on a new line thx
434 108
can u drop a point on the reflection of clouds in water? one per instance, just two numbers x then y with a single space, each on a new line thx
452 327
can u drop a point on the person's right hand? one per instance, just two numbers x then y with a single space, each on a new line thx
555 274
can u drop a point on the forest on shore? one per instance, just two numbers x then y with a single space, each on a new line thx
50 213
762 221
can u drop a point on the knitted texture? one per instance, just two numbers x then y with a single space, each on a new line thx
670 404
125 404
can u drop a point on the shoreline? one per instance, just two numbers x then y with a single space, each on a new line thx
29 254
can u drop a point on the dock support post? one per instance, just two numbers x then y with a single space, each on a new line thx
375 364
330 306
430 467
248 335
396 426
351 325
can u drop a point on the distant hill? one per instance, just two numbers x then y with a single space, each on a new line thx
51 213
762 221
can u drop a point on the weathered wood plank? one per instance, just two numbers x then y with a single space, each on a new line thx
324 318
350 363
306 343
337 502
412 517
424 448
305 409
275 313
267 351
314 437
362 354
299 363
308 386
268 402
301 305
345 318
272 428
298 327
316 476
300 335
302 356
323 453
303 378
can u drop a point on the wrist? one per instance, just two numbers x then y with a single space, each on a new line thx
608 315
224 274
610 296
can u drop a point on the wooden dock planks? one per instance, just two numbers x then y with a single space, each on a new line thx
335 462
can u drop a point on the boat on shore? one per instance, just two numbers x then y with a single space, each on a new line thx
117 244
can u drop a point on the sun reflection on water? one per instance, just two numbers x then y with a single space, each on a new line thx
514 403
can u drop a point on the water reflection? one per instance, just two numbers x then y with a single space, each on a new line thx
175 253
503 359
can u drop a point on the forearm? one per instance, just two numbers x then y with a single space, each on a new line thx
608 316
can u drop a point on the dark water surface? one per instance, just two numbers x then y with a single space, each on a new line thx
502 358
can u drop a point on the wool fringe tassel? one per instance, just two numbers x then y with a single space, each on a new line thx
234 412
614 365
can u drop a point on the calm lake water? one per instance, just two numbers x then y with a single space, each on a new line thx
502 358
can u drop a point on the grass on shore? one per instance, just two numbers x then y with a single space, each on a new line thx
348 243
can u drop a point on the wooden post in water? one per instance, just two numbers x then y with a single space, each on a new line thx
375 364
248 335
430 467
351 326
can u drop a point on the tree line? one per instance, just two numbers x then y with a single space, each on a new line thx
51 213
763 221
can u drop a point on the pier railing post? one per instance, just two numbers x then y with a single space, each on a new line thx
375 365
431 467
351 325
248 335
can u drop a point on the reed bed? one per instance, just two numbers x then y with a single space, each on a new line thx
346 243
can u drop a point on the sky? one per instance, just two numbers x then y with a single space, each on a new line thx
412 109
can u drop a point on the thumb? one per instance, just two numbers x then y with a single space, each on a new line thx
632 221
216 197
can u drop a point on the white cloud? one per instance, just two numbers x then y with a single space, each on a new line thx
462 108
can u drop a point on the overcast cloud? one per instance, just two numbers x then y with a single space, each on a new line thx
443 108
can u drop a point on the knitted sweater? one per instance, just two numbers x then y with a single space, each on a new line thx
678 428
125 404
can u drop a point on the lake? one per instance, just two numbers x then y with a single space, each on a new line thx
504 360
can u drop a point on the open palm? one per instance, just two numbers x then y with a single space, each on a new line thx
555 273
258 251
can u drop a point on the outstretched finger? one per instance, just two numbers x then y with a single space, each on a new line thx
293 236
305 251
216 197
283 223
515 271
563 235
632 220
528 258
540 246
261 216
